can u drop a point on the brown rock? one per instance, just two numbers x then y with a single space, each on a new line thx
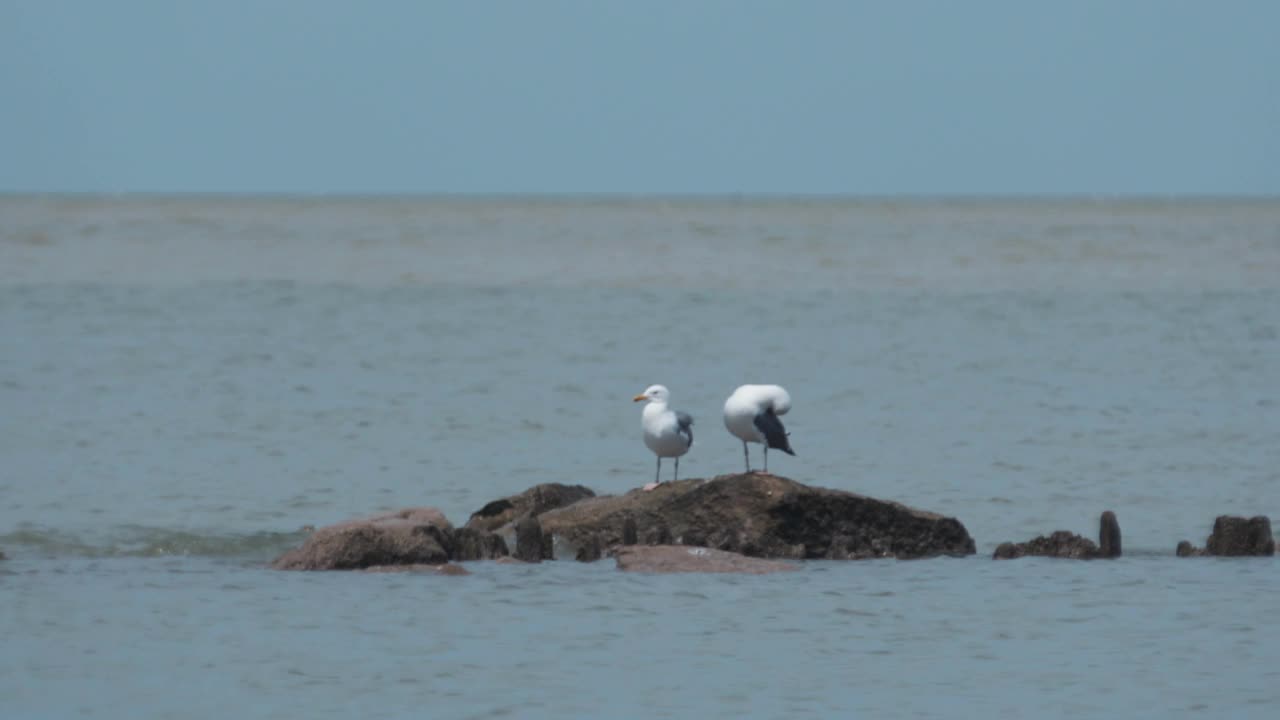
1064 544
591 550
1237 536
414 536
1186 549
534 501
1108 536
529 542
470 544
405 537
759 515
1061 544
682 558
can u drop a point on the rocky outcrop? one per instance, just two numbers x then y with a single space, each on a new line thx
684 559
531 544
1235 536
758 515
1064 544
532 502
414 536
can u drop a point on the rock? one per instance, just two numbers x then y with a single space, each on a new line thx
1186 549
529 543
1234 536
1237 536
681 558
470 544
1061 544
590 551
758 515
534 501
414 536
1108 535
1064 544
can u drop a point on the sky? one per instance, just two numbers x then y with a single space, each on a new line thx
985 97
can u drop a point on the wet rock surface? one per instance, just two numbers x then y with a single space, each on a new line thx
685 559
754 514
413 536
531 545
758 515
1235 536
532 502
1065 544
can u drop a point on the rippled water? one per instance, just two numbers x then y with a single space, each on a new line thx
187 383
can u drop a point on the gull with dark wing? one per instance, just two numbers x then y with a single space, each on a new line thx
751 415
667 432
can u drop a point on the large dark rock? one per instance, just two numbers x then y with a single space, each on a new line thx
1108 535
530 546
1235 536
470 544
1064 544
682 558
414 536
534 501
759 515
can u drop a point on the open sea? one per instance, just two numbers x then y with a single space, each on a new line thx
185 383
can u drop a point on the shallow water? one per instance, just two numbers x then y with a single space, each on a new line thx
186 383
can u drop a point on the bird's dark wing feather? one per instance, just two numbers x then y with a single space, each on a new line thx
774 434
685 423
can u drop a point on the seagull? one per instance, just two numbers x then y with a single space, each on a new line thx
751 415
667 432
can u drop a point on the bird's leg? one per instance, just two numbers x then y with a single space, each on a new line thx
657 475
675 475
766 457
746 457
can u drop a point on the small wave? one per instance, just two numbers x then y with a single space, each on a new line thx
142 541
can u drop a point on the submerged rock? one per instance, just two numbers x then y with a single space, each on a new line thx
682 558
414 536
1064 544
1186 549
1235 536
532 502
758 515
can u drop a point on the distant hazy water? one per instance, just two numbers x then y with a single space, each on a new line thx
187 382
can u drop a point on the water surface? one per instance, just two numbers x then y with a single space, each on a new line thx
188 382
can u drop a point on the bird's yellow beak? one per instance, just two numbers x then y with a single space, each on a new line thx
638 398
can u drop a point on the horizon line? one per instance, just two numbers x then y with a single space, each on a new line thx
618 195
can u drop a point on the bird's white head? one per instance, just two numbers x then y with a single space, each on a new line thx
655 393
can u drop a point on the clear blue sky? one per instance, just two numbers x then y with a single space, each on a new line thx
662 96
